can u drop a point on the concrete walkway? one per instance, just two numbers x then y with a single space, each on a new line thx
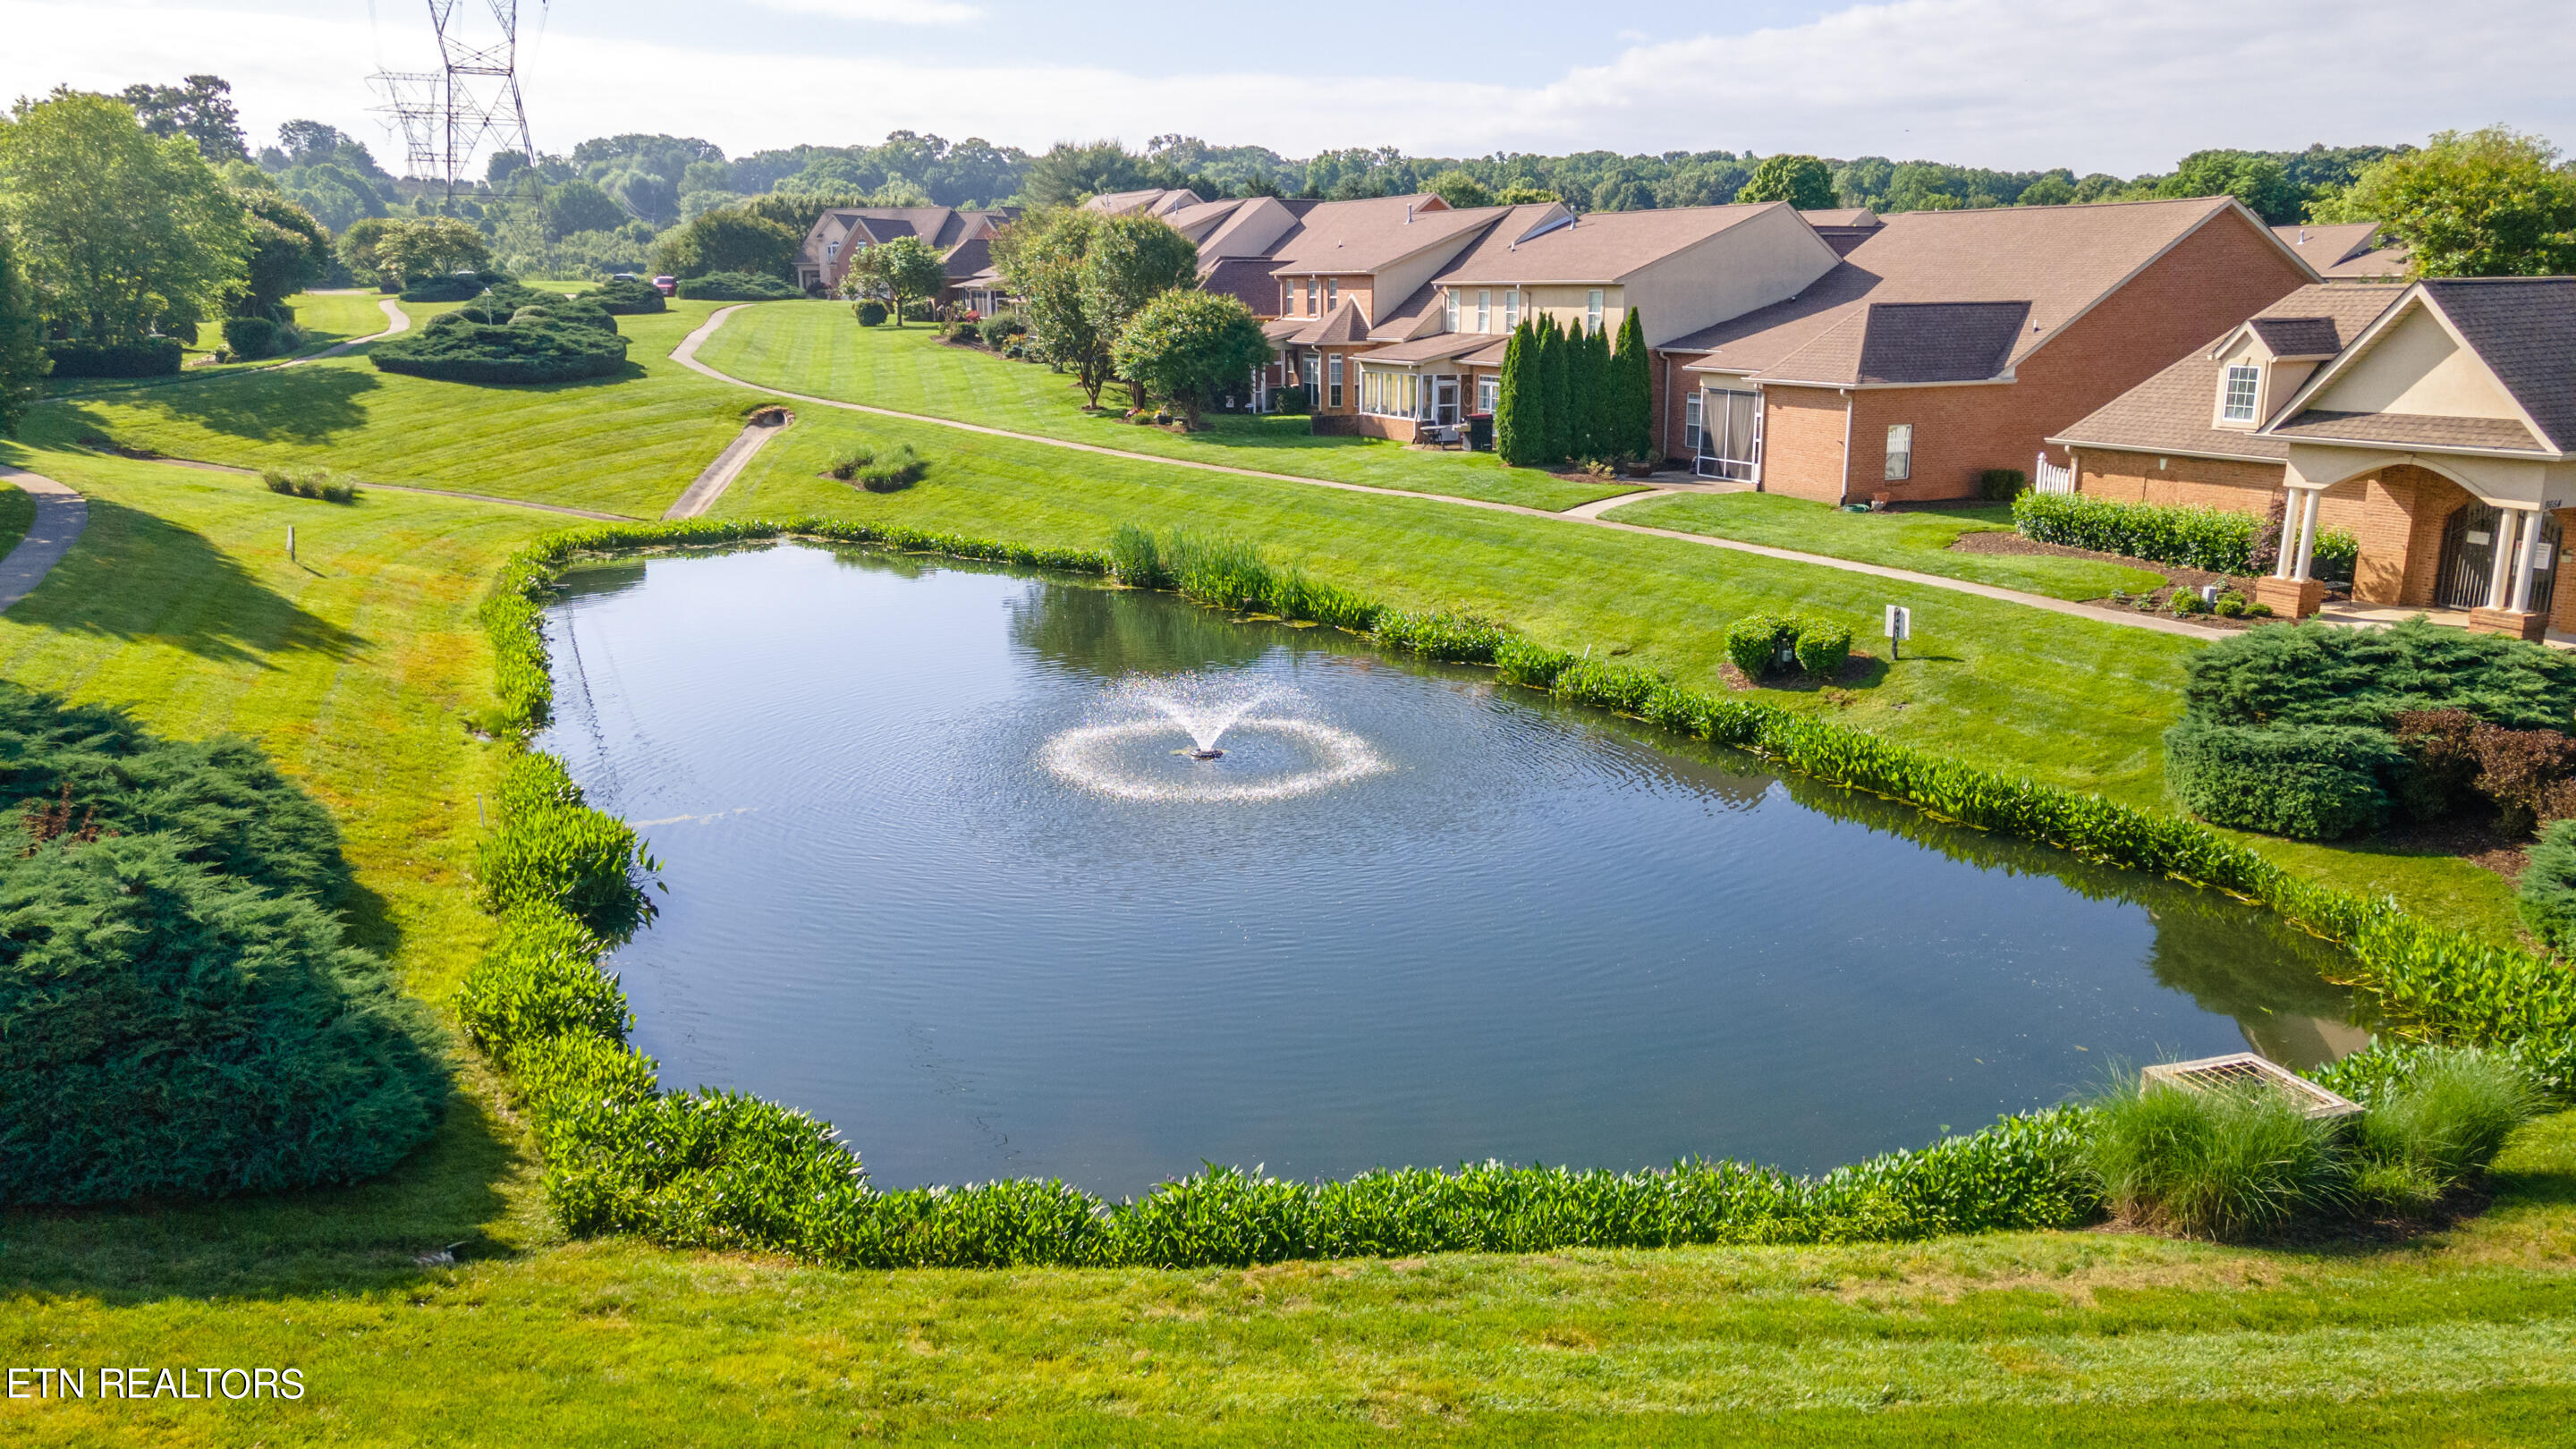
61 514
396 320
1585 514
710 485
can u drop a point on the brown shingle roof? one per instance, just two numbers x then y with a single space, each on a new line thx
2171 411
1604 246
1362 236
2418 429
2298 336
1434 348
1342 326
968 257
2524 329
2060 260
2345 251
1247 280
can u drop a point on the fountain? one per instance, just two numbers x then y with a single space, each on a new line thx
1289 755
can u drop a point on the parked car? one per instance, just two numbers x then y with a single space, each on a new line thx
625 277
667 285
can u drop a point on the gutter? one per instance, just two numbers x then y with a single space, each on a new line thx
1845 500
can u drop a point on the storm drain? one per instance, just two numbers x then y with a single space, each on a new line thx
2243 1069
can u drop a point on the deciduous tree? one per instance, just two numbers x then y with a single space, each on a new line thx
903 268
1043 258
200 108
120 229
1131 261
1802 181
2491 203
1185 345
22 352
729 240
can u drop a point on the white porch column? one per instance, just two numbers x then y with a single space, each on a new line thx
2285 554
2523 557
2307 534
2500 577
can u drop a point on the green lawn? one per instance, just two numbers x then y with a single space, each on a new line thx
17 515
817 349
357 666
1917 539
627 444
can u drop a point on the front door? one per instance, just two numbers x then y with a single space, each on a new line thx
2468 559
1445 406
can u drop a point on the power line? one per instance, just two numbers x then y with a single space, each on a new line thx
448 116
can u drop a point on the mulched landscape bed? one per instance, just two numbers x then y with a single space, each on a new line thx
2153 601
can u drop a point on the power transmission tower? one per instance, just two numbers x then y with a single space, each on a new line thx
447 115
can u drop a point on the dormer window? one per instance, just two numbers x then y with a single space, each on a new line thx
2236 404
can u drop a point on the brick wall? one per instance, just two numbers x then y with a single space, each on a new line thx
2210 281
1802 444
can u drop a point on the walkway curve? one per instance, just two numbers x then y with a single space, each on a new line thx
711 484
686 354
396 320
61 514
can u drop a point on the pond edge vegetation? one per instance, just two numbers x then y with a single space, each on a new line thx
709 1168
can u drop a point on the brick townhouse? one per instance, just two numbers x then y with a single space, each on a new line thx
963 240
1946 343
2435 422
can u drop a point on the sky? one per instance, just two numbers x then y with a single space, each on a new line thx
2123 86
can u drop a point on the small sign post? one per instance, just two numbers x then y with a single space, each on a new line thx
1900 627
290 543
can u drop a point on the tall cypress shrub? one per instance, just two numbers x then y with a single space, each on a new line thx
1556 385
1632 393
1513 417
1582 393
1601 432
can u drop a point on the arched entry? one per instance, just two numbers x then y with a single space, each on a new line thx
2468 559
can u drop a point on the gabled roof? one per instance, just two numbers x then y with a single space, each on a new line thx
968 257
2171 411
943 227
2346 251
2524 329
1436 348
1346 324
2306 338
2420 430
1363 236
1152 201
1245 279
2058 261
1603 247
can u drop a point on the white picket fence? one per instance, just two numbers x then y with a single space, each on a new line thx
2047 477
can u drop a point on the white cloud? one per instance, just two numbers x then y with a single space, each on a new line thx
882 12
2114 85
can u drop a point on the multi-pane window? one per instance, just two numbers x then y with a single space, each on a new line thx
1484 311
2238 405
1592 309
1287 298
1900 451
1511 309
1332 293
1723 427
1336 368
1489 390
1450 309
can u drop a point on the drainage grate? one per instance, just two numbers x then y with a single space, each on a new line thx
2244 1069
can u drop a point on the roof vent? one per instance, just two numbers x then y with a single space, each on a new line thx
2244 1069
1408 213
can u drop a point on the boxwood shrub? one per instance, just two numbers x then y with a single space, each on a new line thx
871 313
2220 540
719 1169
738 287
249 338
2308 782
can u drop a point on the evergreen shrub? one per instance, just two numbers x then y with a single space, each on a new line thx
1823 647
629 298
458 347
2546 897
2308 782
871 313
738 287
249 338
150 357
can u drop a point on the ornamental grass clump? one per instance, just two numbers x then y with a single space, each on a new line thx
2434 1122
2224 1162
886 471
316 483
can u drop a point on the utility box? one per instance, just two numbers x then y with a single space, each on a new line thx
1480 432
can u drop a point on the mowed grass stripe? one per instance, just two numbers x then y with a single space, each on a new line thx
625 445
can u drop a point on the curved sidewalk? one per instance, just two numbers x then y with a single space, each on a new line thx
686 354
61 514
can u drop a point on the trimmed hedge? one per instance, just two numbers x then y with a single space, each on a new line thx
629 298
2320 673
249 338
455 287
2308 782
725 1170
457 348
738 287
871 313
151 357
2217 539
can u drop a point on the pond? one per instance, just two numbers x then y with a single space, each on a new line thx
942 870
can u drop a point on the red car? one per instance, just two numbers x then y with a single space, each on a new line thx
666 285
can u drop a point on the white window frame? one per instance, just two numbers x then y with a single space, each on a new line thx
1717 451
1489 392
1484 309
1900 453
1449 307
1592 309
2247 378
1287 298
831 251
1332 293
1312 292
1511 308
1333 371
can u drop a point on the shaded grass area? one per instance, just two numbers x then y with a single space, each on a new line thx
17 515
2069 701
817 348
626 444
356 668
1915 539
2010 1339
325 318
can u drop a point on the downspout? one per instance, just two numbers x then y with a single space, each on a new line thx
1663 416
1845 500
